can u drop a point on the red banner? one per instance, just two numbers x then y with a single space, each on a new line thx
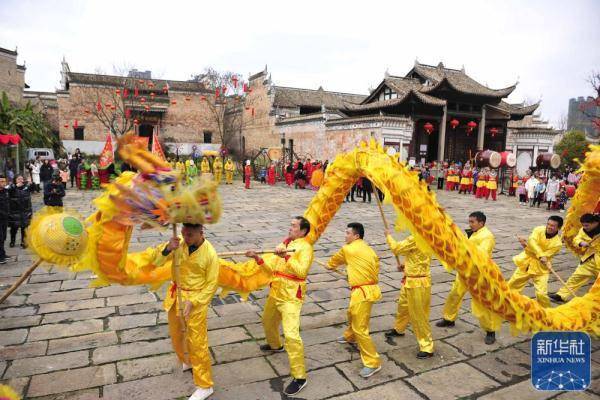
156 149
107 156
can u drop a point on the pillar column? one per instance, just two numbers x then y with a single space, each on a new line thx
442 136
535 154
481 133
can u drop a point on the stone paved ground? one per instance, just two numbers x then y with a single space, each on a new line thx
60 339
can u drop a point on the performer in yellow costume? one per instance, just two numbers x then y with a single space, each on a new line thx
229 169
286 297
218 169
415 295
363 277
180 165
198 275
532 263
205 166
587 242
483 239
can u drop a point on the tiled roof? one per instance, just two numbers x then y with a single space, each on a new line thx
294 97
6 51
112 80
457 79
516 110
404 88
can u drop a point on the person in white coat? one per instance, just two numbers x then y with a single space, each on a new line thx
530 186
35 175
552 190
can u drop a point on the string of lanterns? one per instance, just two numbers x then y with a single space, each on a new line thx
124 93
454 123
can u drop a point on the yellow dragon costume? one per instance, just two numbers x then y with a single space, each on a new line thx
417 210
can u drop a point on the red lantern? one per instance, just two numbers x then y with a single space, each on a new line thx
454 123
494 131
75 124
470 126
217 93
113 108
174 102
125 93
234 79
428 128
98 106
66 125
136 92
118 92
203 98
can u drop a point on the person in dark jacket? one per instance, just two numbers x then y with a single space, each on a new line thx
73 166
20 210
4 212
46 171
54 193
367 188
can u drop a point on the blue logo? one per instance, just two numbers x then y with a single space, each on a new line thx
560 361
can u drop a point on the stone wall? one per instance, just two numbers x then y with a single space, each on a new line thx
12 79
259 130
184 121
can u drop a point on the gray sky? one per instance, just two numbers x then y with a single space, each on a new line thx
550 47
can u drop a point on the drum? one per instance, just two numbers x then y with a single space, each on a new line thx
547 160
488 158
274 153
508 159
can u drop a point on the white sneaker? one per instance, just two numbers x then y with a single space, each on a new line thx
185 367
201 394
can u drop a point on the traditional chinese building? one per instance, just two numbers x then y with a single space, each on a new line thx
12 75
431 113
529 137
171 108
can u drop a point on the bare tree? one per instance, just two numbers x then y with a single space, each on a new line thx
229 106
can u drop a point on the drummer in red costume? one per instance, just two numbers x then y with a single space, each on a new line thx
465 179
492 185
481 183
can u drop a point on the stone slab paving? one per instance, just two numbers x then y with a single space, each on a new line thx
60 339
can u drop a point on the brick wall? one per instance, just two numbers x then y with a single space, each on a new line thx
12 79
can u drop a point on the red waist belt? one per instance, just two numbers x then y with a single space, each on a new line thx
174 289
361 285
403 281
292 278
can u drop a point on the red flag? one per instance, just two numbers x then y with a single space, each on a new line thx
107 156
156 149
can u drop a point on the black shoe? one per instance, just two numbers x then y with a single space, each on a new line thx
393 333
556 297
12 244
424 354
3 260
23 245
266 347
295 386
490 338
444 323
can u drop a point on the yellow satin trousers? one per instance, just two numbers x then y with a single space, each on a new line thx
359 314
582 275
520 278
413 308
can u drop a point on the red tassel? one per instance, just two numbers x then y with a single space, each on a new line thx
299 292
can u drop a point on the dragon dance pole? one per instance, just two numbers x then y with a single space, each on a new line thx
21 279
385 224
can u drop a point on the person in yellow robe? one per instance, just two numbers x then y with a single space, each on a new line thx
588 243
205 166
229 170
415 295
286 296
218 169
198 275
180 166
363 277
484 240
532 263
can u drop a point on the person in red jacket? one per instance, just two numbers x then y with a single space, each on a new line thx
247 174
271 174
